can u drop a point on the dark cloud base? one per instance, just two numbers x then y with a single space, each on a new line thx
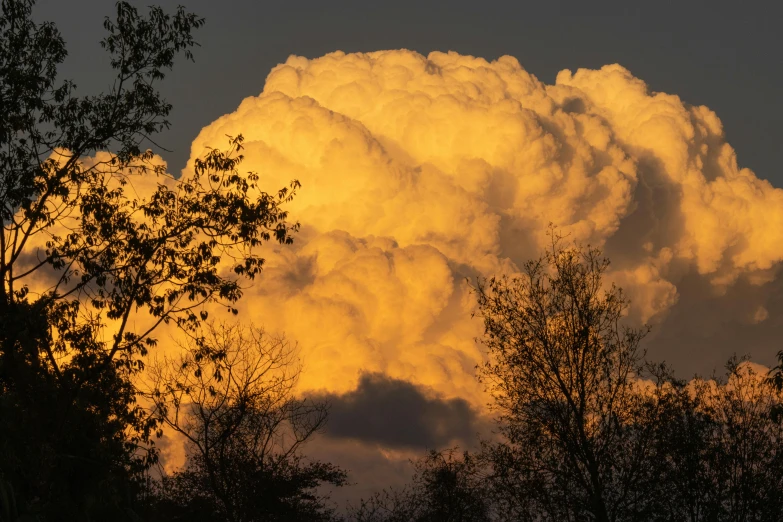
397 413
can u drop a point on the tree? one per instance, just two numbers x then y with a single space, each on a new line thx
587 438
89 268
231 398
446 487
62 458
720 442
562 370
113 252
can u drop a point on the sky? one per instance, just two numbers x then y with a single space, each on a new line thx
443 154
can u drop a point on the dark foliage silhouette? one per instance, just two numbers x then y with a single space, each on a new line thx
82 256
562 373
718 444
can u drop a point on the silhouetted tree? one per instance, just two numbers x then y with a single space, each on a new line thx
587 438
445 487
82 255
60 458
562 370
775 377
721 447
231 398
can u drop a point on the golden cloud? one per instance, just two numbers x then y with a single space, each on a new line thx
419 171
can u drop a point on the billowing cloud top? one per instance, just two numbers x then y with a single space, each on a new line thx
418 172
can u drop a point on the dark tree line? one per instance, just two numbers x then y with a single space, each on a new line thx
587 428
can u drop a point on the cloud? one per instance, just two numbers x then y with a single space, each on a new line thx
397 414
421 171
708 324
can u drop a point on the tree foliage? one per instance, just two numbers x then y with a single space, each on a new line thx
91 265
80 217
561 370
718 448
592 431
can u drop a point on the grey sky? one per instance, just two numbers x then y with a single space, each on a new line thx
723 54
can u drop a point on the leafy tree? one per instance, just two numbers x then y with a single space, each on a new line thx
562 371
114 252
231 399
775 377
60 457
89 268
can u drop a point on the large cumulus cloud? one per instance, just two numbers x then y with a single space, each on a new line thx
421 171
